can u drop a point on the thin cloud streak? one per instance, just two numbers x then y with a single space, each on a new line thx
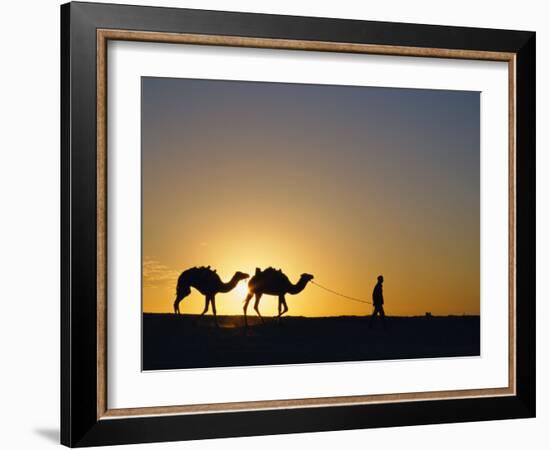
156 274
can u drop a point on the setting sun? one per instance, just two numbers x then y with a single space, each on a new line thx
242 289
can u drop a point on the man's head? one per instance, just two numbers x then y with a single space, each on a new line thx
380 279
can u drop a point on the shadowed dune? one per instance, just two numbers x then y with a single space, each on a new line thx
187 341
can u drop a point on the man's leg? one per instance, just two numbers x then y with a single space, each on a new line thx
374 312
383 316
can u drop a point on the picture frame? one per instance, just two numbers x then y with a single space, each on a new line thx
86 418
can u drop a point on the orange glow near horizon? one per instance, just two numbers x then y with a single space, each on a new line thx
410 291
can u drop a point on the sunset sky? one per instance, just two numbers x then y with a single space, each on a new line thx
345 183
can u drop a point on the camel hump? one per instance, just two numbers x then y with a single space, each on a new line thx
258 271
274 274
198 272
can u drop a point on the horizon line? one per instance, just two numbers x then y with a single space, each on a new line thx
314 317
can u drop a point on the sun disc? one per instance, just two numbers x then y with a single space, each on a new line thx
242 289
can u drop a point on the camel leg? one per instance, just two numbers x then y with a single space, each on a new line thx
285 306
213 301
282 302
206 303
246 301
204 311
179 297
256 306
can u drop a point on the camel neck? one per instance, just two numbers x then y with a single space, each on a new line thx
298 287
226 287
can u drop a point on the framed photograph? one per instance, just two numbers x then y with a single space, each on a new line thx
277 224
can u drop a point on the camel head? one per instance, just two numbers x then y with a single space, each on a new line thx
241 276
307 277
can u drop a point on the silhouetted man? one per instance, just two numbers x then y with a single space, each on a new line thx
378 301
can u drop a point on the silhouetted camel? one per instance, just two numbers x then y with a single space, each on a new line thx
273 282
208 283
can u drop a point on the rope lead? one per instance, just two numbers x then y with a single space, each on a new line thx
339 294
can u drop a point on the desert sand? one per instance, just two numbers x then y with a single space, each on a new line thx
188 341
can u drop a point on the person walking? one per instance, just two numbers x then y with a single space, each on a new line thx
378 302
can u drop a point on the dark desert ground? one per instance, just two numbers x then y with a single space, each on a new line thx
189 341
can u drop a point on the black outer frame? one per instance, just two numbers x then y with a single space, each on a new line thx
79 423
